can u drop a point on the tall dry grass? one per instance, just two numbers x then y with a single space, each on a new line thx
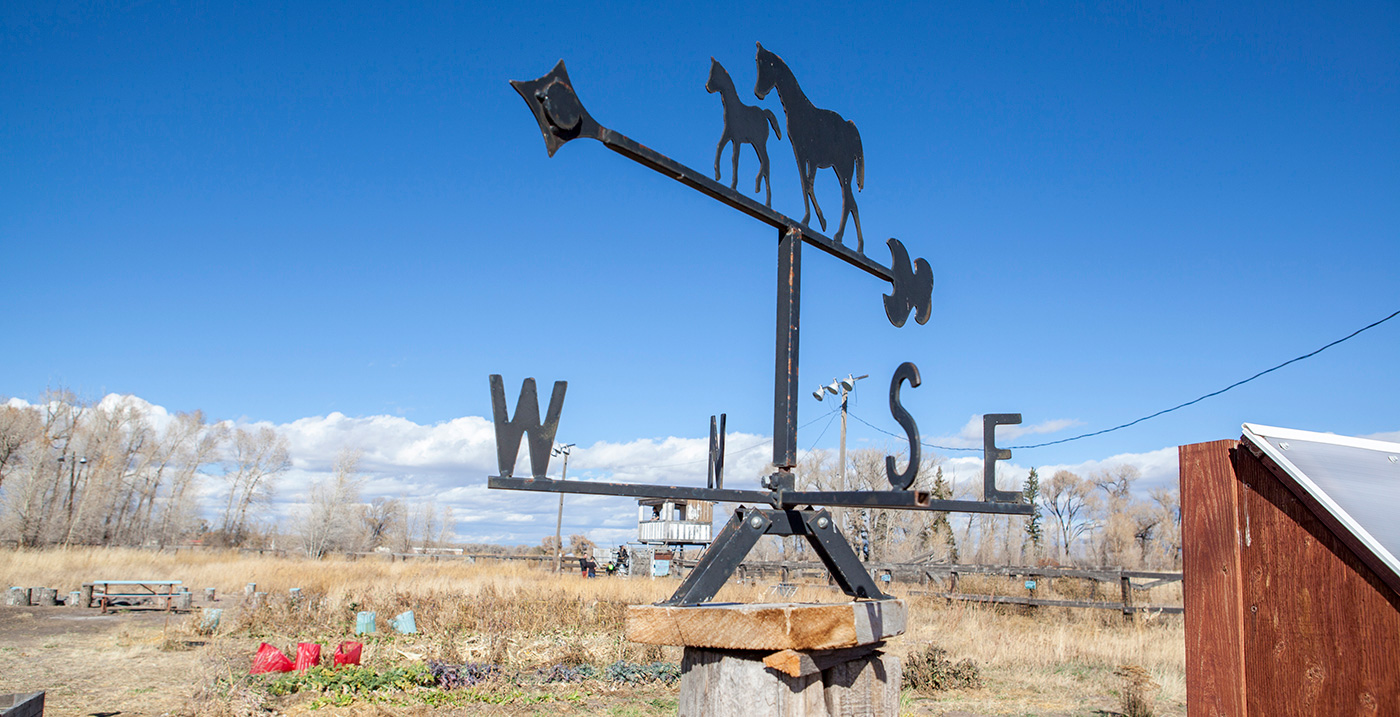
523 614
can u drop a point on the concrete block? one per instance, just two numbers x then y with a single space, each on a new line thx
24 704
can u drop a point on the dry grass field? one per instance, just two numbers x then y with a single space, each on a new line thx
553 643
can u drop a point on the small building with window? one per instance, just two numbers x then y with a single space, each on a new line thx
662 521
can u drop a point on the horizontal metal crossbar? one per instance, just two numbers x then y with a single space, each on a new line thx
562 118
894 499
905 499
630 490
630 148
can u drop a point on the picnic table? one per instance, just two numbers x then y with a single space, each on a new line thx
107 590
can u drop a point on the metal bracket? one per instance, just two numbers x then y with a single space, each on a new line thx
742 532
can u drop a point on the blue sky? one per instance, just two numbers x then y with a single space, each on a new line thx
275 213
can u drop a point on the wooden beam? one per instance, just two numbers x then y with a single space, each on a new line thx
1211 537
800 663
767 626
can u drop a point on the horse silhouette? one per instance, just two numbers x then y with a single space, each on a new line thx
820 138
743 124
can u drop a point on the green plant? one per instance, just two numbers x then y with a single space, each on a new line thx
351 680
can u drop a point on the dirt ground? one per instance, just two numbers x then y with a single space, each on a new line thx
90 663
136 663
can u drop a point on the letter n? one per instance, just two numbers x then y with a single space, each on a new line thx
527 420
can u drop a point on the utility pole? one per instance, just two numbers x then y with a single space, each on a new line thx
559 522
844 386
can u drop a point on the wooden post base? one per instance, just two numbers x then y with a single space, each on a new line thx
737 683
788 659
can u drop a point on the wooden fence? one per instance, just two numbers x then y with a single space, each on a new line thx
1038 579
1034 577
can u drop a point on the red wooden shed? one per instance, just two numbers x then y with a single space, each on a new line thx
1292 583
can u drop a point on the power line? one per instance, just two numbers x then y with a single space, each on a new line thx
1163 411
825 428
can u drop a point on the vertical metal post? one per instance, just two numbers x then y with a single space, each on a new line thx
785 363
559 521
843 483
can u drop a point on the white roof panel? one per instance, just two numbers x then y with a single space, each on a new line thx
1357 480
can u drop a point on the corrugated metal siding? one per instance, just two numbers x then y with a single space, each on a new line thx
673 531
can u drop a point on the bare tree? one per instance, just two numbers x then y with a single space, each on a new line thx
99 474
1123 519
1068 499
1165 551
18 428
45 480
580 545
329 521
379 520
255 459
447 527
199 445
549 546
427 523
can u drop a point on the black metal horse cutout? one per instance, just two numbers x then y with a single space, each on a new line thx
743 124
820 138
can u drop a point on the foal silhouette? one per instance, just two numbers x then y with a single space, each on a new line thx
743 124
820 138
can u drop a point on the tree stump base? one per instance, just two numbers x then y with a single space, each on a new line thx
796 660
738 683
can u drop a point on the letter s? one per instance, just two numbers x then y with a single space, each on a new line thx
907 371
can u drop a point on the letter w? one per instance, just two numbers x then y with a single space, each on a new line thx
527 420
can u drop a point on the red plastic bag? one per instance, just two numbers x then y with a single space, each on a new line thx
269 659
308 655
347 653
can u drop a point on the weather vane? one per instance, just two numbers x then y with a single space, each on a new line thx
820 138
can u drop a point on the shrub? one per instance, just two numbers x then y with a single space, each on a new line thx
933 671
1139 691
452 677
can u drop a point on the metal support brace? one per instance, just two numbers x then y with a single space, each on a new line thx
742 532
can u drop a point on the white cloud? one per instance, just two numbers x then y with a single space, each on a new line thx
447 463
970 435
1159 470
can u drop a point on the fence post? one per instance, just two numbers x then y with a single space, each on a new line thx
1127 584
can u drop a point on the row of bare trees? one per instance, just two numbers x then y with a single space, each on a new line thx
112 473
77 473
1100 519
